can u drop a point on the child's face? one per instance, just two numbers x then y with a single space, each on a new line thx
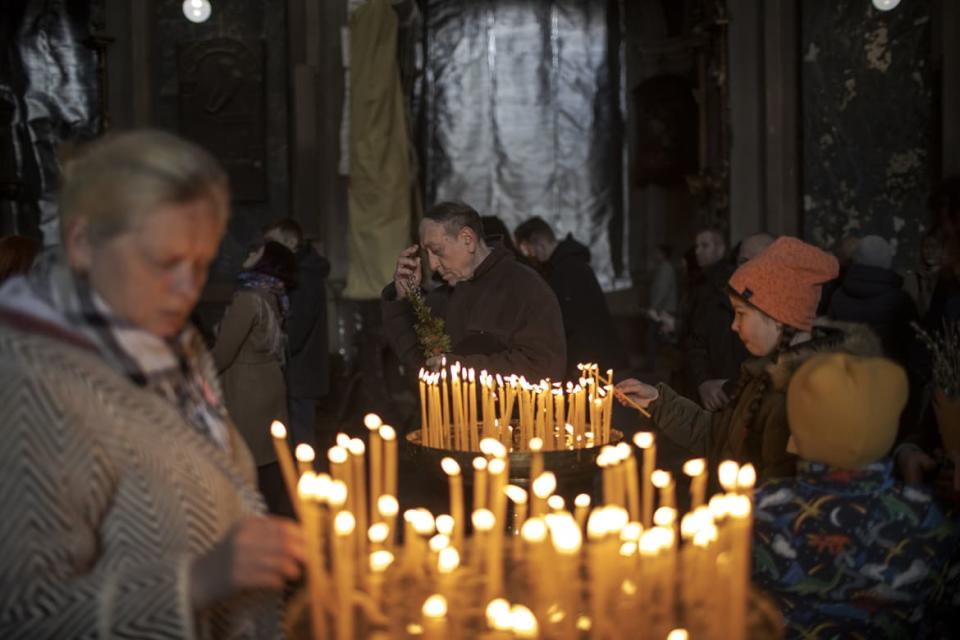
759 332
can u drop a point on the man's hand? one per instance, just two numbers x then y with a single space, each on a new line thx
407 273
636 392
260 552
914 463
712 395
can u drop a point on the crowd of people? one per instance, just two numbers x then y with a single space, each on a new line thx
144 497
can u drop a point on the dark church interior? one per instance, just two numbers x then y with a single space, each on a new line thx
496 319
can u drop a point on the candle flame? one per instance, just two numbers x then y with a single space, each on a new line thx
277 430
739 506
450 467
321 487
483 520
631 532
536 444
623 451
522 622
357 447
439 542
643 439
343 440
534 530
544 484
304 453
516 494
377 533
556 503
448 561
337 494
306 485
372 421
665 516
479 463
435 607
695 467
388 506
678 634
445 524
628 549
337 455
380 561
747 477
423 522
660 478
582 500
496 466
728 472
388 433
498 614
344 523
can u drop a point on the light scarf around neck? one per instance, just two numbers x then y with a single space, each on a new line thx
178 369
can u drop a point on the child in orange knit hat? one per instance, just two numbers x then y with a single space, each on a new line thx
774 298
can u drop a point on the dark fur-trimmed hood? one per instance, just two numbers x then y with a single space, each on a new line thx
828 336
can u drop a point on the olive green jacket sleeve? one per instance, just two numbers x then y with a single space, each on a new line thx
682 420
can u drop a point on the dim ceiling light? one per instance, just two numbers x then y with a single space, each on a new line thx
197 10
886 5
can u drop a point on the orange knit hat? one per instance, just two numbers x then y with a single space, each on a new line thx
785 280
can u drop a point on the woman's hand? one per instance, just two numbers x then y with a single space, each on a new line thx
633 393
407 273
260 552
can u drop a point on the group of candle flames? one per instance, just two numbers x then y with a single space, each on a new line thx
513 411
622 569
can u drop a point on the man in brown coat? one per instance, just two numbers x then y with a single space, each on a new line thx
500 315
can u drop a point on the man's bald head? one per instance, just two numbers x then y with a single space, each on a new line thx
753 245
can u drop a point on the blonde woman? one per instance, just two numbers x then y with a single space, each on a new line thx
130 506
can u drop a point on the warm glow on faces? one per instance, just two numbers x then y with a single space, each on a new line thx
759 332
151 275
450 256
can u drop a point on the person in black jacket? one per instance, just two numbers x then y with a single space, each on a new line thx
713 351
872 293
308 365
588 325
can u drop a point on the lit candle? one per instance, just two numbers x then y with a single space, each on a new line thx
359 485
448 561
389 437
423 408
304 455
316 579
663 481
696 469
519 499
338 457
632 478
435 618
342 558
522 622
536 458
646 442
746 479
279 433
388 507
380 561
452 469
740 532
373 423
445 412
498 615
543 487
472 444
479 482
581 507
483 553
728 471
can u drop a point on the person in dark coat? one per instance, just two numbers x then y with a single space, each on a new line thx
590 331
308 362
499 315
872 293
713 351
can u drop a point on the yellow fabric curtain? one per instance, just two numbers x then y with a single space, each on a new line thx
380 177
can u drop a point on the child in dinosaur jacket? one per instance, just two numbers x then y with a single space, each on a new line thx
844 549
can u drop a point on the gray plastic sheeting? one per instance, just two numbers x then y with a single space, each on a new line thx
523 112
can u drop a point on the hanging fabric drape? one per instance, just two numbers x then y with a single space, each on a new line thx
522 115
379 191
